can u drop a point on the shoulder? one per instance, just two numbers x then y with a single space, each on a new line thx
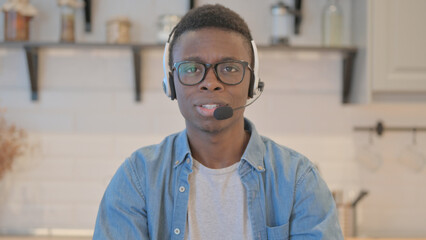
149 156
284 159
279 161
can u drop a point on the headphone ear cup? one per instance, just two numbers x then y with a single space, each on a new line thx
251 87
172 87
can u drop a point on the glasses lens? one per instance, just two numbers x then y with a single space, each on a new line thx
230 72
190 73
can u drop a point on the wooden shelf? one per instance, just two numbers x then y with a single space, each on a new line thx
349 54
32 50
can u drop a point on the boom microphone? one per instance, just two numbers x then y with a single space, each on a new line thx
225 112
222 113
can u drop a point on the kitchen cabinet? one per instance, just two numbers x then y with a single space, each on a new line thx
395 53
398 37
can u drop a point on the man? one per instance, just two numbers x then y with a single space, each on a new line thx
218 179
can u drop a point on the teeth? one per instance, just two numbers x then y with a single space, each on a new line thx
210 106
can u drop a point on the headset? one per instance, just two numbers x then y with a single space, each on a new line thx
256 86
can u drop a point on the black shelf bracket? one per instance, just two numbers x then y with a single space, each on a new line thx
298 17
191 4
136 51
31 53
88 15
348 66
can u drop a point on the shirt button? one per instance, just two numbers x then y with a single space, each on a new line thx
260 168
177 162
182 189
177 231
188 161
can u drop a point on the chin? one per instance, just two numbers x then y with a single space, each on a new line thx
211 126
211 129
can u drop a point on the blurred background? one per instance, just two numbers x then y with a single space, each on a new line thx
333 69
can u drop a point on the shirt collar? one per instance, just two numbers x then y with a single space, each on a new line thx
253 154
182 150
255 149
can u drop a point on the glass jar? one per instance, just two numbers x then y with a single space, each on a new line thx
16 27
68 8
17 16
166 23
118 30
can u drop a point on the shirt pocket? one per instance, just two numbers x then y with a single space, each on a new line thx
278 232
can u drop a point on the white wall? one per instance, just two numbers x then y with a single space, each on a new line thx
86 122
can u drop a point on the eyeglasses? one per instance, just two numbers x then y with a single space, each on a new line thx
229 72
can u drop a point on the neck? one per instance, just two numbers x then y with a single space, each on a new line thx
219 149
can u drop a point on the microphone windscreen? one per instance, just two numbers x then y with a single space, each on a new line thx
222 113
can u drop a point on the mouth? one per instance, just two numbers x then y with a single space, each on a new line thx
210 106
208 109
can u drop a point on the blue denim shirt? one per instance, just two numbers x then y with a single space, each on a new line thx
148 196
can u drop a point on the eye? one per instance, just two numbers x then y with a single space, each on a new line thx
230 67
189 68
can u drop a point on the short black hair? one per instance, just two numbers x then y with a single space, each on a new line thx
215 16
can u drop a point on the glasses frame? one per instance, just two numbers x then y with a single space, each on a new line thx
207 66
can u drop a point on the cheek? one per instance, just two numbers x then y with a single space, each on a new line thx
246 87
183 106
181 97
178 87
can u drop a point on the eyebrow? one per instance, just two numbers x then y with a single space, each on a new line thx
198 59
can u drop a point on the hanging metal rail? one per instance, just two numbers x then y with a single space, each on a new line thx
380 128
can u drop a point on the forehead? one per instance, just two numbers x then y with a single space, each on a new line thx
211 45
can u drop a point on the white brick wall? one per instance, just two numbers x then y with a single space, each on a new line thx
82 133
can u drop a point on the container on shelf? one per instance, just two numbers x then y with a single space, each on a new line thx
166 23
17 16
68 8
118 30
346 210
332 24
282 23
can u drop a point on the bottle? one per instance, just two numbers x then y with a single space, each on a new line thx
282 16
68 8
332 26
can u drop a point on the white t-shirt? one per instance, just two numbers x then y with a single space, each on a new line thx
217 207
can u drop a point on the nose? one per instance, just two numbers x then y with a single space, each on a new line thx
211 82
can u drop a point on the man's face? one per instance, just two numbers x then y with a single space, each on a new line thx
198 102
